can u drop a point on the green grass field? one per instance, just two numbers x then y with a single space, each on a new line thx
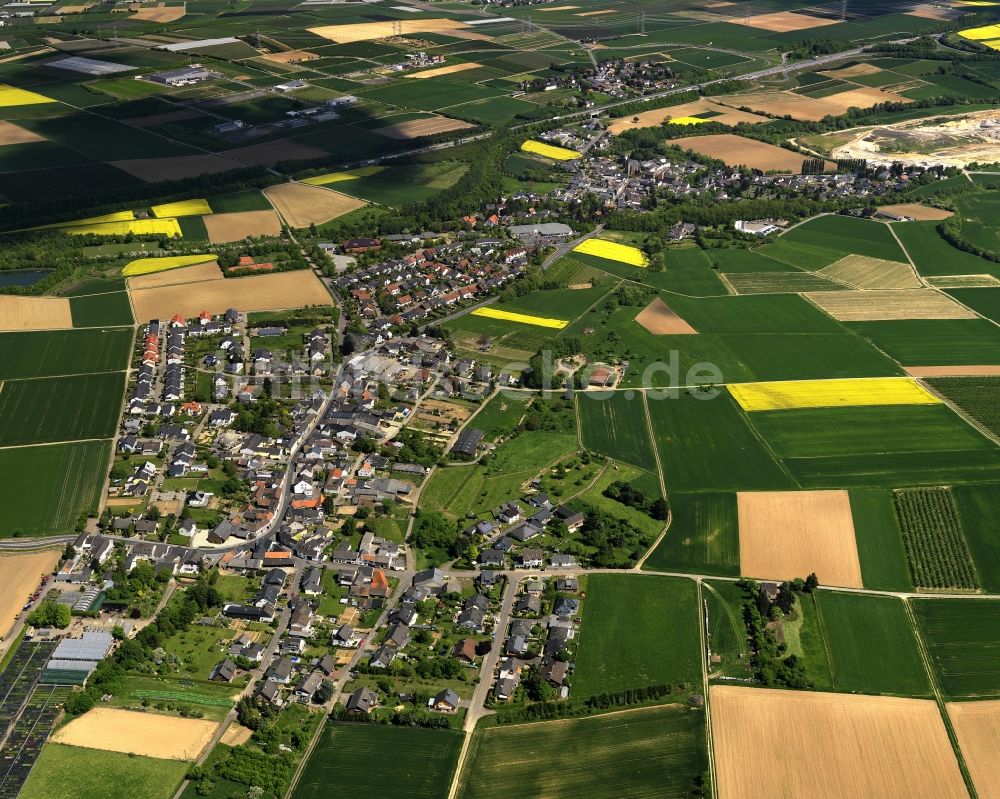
72 772
727 632
708 445
871 645
60 352
637 631
962 637
101 310
938 342
703 537
501 415
60 409
932 255
846 234
410 763
785 356
978 510
880 548
616 425
46 488
655 753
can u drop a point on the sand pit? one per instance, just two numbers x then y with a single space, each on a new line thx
14 134
661 320
920 212
415 128
148 734
782 21
154 170
809 109
301 205
19 576
162 119
369 31
977 727
773 743
650 119
852 71
862 272
274 152
171 277
448 70
236 735
736 151
981 370
272 292
35 313
235 227
788 534
877 306
290 57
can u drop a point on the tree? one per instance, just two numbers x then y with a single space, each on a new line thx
50 614
348 345
811 584
323 693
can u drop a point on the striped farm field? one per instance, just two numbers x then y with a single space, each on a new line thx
787 395
616 426
60 408
520 318
613 251
549 150
149 266
182 208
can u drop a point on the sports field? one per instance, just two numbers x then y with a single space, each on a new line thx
60 408
411 763
829 746
654 753
149 266
616 425
830 394
962 637
60 352
637 631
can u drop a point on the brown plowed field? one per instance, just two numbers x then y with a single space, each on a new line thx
770 744
787 534
661 320
273 152
153 170
15 134
977 726
19 576
983 370
735 151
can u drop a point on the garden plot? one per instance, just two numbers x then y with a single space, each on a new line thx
862 272
165 737
885 305
788 534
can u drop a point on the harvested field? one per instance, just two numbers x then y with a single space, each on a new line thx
919 212
829 746
782 21
35 313
257 293
187 274
19 576
290 57
874 306
651 119
849 392
953 371
448 70
963 281
369 31
160 13
788 534
165 737
301 205
661 320
273 152
234 227
154 170
428 126
977 727
852 71
548 9
735 151
863 272
595 13
798 106
236 734
15 134
930 11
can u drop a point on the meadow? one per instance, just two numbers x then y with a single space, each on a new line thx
636 632
60 409
616 425
656 753
501 415
411 763
703 537
962 637
932 255
871 644
59 352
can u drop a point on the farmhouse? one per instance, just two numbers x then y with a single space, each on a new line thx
468 442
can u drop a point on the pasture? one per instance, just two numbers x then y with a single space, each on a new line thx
615 424
98 774
871 645
726 630
847 235
656 753
828 746
962 637
60 352
410 763
932 255
60 409
638 631
703 537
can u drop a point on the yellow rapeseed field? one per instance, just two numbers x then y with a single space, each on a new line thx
116 216
182 208
11 96
686 121
147 266
985 32
549 150
138 227
613 251
524 319
787 395
340 177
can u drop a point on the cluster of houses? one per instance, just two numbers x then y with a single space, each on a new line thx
508 534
